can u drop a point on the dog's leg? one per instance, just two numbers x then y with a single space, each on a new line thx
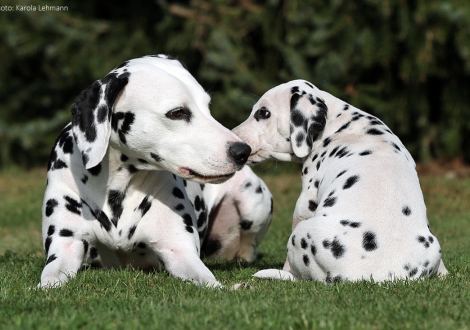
275 274
442 270
64 259
184 263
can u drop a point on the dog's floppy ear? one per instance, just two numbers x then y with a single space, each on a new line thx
91 117
308 113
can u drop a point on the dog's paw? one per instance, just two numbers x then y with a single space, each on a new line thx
275 274
241 286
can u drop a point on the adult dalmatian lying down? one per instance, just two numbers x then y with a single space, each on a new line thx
117 191
361 213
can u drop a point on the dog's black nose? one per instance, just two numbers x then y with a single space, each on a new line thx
239 152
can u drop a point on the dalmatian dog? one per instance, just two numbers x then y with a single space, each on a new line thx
361 213
144 176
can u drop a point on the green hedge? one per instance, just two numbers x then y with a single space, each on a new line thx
407 62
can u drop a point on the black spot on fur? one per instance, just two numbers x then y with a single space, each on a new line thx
313 249
346 107
423 241
365 153
178 193
179 207
124 158
95 170
246 224
85 246
413 272
306 260
303 243
132 169
341 173
50 205
72 205
406 210
50 230
332 153
343 127
59 164
197 203
395 146
115 199
188 221
300 137
312 206
329 202
142 161
336 248
65 140
259 190
47 244
102 219
369 242
350 223
156 157
51 258
374 131
131 232
85 179
297 118
293 240
145 205
142 245
350 181
326 141
66 233
309 84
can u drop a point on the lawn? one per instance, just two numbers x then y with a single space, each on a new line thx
131 299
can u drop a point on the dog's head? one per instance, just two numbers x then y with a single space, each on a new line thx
152 110
284 122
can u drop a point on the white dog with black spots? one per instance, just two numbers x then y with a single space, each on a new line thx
361 213
131 180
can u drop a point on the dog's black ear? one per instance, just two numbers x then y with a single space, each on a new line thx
91 117
308 118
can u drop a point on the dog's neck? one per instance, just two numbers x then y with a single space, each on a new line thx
335 107
119 175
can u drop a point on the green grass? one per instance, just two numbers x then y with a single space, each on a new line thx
128 299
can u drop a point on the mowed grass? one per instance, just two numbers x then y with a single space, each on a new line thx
131 299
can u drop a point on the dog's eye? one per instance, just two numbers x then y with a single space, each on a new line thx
181 113
262 113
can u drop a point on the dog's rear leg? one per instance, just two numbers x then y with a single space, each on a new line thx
64 259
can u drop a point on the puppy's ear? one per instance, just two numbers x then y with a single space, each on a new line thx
308 118
91 117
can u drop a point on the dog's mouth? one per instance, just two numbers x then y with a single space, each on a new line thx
195 176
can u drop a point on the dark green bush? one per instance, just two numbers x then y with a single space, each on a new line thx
407 62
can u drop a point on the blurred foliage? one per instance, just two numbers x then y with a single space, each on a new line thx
407 62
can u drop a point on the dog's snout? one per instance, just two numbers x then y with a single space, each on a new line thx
239 152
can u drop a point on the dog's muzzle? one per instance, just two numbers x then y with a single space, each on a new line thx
239 152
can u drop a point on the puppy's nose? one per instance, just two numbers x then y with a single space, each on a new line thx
239 152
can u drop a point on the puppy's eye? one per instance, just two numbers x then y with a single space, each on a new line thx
181 113
262 113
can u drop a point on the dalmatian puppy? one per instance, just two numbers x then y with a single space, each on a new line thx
361 213
144 176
